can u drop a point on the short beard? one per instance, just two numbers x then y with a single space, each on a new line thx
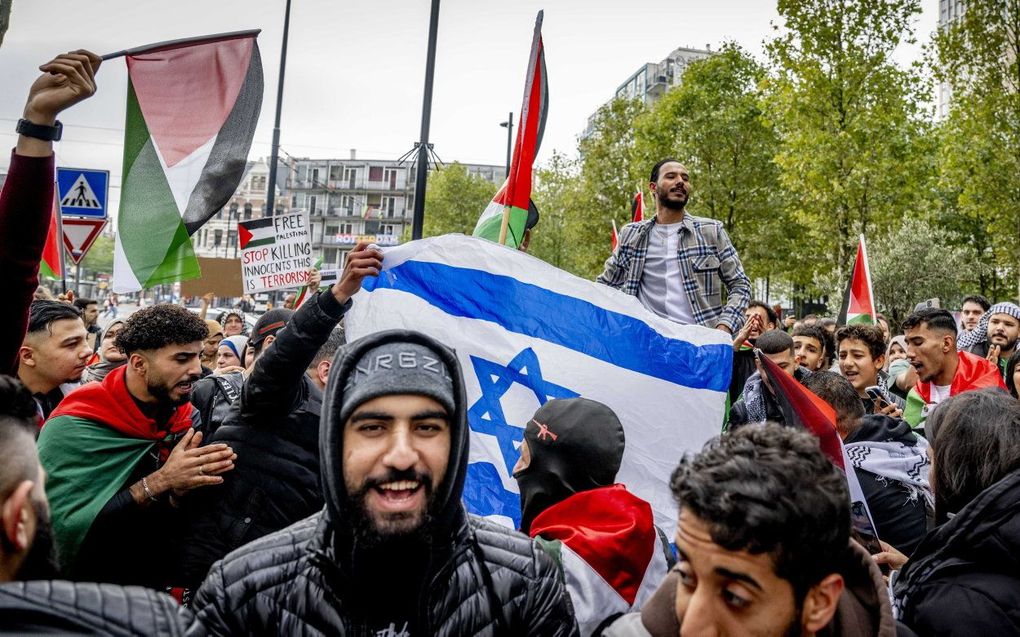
162 394
672 204
402 528
41 560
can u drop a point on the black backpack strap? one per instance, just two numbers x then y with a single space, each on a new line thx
227 388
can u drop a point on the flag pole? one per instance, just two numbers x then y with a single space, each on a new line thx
274 156
172 44
418 218
504 226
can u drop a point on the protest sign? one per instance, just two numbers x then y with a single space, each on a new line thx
275 252
222 277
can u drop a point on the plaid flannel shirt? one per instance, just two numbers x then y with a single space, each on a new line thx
705 256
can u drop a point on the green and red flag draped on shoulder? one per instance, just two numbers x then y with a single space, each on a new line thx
52 266
859 302
89 448
972 372
515 193
192 107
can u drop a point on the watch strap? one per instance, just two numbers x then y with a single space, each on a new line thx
40 131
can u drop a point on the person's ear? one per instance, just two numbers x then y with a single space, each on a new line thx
26 356
322 370
821 602
16 516
948 343
880 361
138 364
267 341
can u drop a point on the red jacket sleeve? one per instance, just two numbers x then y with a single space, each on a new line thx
25 210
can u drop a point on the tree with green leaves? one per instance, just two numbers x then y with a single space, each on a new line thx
978 58
99 259
713 123
916 262
556 194
607 181
454 199
847 118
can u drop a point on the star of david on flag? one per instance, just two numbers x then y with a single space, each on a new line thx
525 333
484 493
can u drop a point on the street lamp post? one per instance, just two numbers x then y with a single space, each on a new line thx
509 126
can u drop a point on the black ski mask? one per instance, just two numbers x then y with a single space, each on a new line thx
576 445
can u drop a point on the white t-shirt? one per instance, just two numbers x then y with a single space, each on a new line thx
662 286
939 393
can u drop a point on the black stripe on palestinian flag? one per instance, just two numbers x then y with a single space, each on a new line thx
229 155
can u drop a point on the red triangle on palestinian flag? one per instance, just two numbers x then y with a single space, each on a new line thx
51 266
859 301
244 236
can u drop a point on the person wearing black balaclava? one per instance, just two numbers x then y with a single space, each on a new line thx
393 552
602 536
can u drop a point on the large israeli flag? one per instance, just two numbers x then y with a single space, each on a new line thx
526 332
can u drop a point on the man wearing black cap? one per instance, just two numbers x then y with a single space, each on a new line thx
393 552
603 537
275 427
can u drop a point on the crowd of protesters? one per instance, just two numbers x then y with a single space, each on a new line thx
165 473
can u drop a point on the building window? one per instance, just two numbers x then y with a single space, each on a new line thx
388 207
375 173
347 205
217 238
346 228
315 177
371 226
258 183
388 229
231 238
329 256
332 231
350 176
247 211
391 178
311 206
293 203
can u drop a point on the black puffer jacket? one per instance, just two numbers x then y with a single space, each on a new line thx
93 609
274 430
478 578
964 577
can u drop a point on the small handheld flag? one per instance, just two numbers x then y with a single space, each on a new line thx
506 216
859 301
616 236
637 207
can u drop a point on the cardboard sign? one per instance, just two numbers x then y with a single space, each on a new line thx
276 252
222 277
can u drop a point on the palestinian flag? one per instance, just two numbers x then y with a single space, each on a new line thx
513 197
52 265
859 301
192 107
803 408
637 208
252 234
615 240
972 372
611 554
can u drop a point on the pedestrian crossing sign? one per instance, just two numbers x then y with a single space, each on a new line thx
82 192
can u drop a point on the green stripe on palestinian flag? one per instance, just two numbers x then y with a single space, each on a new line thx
74 451
513 197
252 234
859 301
192 109
916 410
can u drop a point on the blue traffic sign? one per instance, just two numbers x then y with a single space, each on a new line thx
82 192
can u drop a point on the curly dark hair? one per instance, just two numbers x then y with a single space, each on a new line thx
15 399
157 326
870 335
770 489
1014 360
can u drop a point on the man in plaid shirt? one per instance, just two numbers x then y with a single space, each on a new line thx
676 263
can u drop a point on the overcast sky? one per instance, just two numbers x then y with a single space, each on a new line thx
355 69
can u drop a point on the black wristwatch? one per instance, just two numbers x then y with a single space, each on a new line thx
40 131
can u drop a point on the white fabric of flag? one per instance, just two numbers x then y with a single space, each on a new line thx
526 332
